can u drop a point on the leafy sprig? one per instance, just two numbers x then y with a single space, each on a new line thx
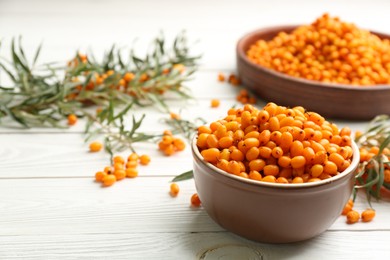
371 172
40 97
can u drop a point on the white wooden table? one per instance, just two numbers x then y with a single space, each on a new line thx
50 207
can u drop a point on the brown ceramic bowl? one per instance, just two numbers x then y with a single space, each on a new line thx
330 100
272 212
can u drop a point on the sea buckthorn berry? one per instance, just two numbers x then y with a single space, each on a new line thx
297 180
109 180
257 165
252 154
133 157
215 103
118 159
131 164
118 166
144 159
255 175
368 215
265 152
251 142
316 170
281 180
131 172
204 129
212 141
174 189
269 178
72 119
195 201
99 176
277 152
119 174
95 146
221 77
179 144
284 161
298 161
108 169
225 142
353 217
234 167
271 170
330 168
262 116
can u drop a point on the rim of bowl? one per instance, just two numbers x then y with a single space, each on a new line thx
242 54
354 163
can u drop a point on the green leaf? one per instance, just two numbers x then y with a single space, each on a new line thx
184 176
384 144
37 54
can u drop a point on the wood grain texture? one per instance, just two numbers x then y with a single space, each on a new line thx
143 205
210 245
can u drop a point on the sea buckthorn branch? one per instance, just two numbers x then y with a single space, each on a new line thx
111 125
119 137
374 169
39 97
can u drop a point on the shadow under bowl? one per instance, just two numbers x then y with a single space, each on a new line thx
329 99
272 212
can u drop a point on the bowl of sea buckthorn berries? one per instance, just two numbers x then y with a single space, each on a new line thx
276 174
332 67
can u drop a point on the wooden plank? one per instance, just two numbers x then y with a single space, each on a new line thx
143 205
204 245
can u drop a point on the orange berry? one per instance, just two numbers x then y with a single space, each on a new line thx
99 176
131 164
72 119
353 217
109 180
118 159
128 76
271 170
144 159
221 77
269 178
215 103
174 189
368 215
210 155
119 174
255 175
347 208
195 201
133 157
298 161
131 172
95 146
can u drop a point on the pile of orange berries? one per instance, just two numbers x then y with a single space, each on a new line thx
170 144
121 169
276 144
328 50
353 216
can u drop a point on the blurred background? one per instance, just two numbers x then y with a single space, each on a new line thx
65 26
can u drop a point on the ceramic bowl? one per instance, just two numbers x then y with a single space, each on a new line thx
330 100
272 212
